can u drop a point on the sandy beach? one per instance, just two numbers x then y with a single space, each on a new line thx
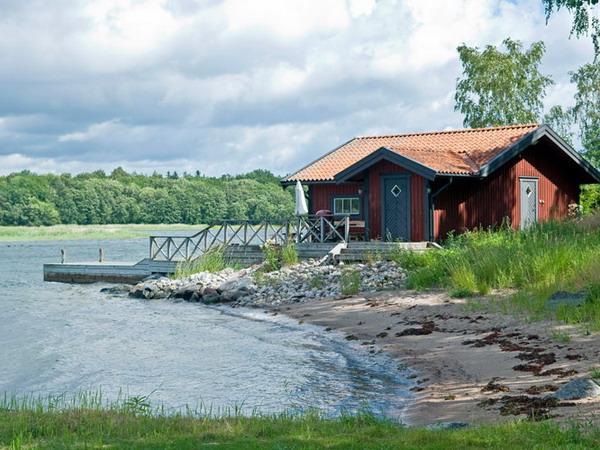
472 366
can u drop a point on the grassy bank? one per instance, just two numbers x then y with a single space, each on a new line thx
128 426
75 232
537 263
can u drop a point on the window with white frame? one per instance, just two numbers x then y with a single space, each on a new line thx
346 205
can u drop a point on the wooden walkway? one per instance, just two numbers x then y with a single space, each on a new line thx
246 255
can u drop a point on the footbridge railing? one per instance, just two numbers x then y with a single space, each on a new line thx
302 229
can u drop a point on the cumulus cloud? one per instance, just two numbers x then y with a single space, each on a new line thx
232 85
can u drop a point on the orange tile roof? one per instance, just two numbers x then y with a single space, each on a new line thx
456 152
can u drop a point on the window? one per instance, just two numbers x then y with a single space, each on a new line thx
347 205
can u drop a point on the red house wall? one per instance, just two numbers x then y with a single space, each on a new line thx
469 204
322 195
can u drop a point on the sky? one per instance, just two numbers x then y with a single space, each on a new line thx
236 85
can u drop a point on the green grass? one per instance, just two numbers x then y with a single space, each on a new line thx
278 256
131 424
350 281
559 336
550 257
317 281
595 374
211 261
289 254
80 232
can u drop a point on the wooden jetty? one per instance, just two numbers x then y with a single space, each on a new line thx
315 237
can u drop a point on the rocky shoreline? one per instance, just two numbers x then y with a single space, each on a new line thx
253 287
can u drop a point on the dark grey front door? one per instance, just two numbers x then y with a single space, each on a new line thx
396 208
529 201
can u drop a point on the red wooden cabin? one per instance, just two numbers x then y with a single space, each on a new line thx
417 187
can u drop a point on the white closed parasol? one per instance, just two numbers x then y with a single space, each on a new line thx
301 208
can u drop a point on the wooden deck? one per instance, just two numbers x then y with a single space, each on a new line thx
322 238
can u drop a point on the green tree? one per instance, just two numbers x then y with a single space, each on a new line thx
501 88
561 120
585 18
587 109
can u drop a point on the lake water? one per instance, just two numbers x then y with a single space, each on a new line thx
59 338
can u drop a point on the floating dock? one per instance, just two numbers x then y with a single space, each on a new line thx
109 272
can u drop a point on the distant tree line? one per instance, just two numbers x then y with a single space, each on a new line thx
97 198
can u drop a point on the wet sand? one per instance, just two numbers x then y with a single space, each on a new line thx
472 366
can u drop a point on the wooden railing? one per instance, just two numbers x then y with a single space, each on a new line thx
299 230
322 229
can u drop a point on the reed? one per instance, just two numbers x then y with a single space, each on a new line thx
212 260
549 257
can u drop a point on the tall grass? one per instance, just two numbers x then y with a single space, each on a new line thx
549 257
212 260
29 423
350 281
278 256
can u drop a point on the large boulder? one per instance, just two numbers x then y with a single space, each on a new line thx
235 288
145 290
576 389
187 292
210 295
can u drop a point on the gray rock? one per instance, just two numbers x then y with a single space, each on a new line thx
236 284
576 389
447 425
116 290
566 298
186 292
136 291
211 299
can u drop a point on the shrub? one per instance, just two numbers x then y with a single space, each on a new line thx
272 257
350 281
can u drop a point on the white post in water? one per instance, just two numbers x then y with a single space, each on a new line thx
63 255
101 255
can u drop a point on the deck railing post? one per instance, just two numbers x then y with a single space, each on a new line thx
63 255
346 228
224 233
322 238
245 233
151 248
169 249
100 255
